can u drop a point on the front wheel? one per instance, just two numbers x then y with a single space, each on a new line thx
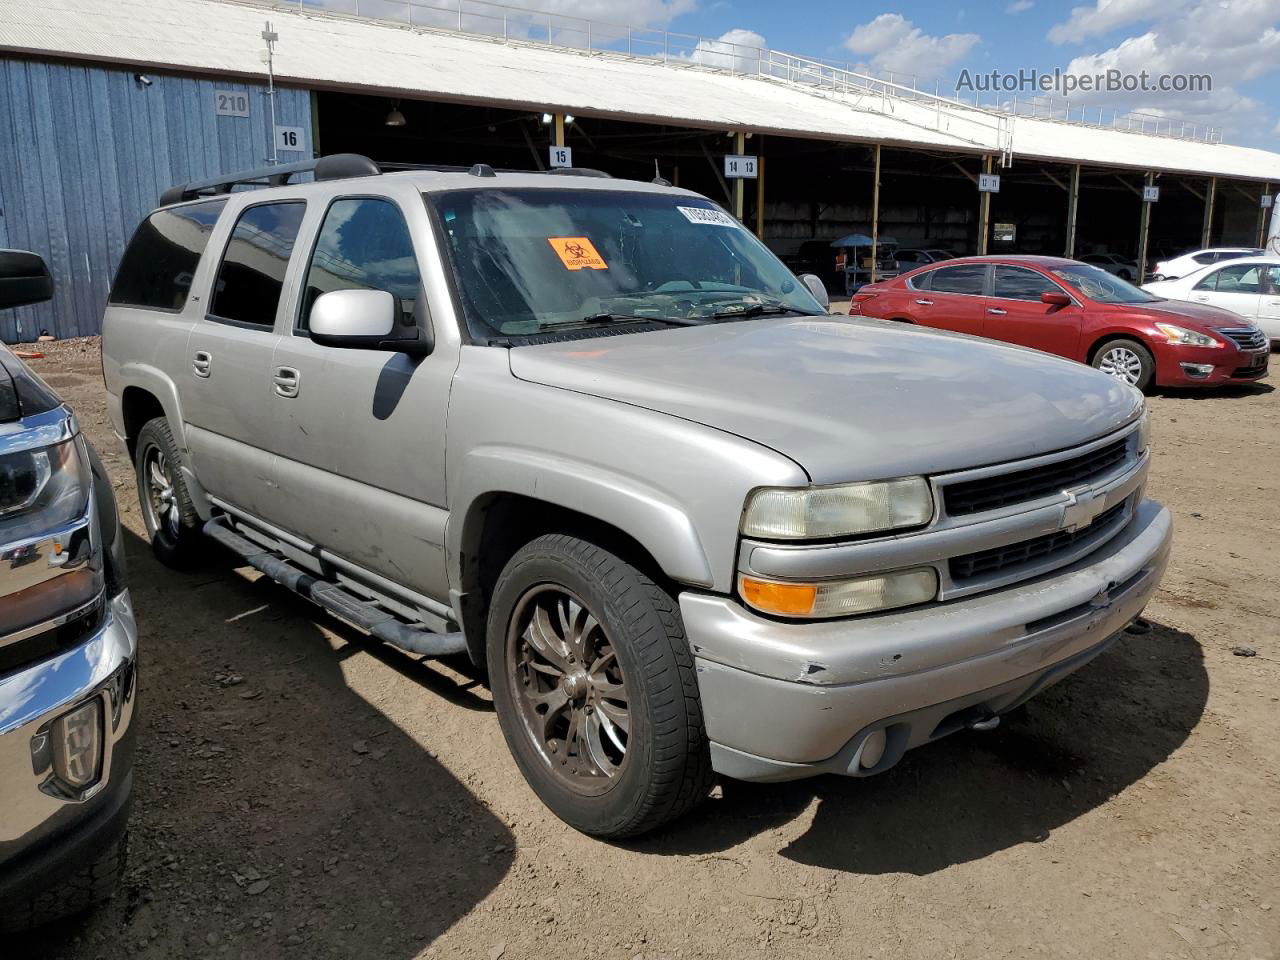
1127 360
594 686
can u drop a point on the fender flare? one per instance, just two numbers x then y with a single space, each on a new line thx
652 517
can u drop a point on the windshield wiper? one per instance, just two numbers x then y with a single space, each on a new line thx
756 310
630 318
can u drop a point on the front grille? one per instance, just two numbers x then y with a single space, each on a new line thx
1255 370
1246 339
974 496
986 562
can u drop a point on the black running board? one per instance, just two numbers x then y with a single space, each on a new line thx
336 599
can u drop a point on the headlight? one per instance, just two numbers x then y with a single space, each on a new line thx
841 598
1144 431
42 489
812 513
1187 338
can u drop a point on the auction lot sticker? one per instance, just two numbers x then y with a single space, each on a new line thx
713 218
577 253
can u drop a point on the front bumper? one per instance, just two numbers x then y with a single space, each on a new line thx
785 700
1179 366
46 829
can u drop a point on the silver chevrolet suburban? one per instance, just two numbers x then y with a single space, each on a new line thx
593 434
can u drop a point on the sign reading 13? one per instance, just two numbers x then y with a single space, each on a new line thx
740 168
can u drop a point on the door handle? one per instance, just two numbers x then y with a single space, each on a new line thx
925 303
287 380
1202 299
201 363
997 311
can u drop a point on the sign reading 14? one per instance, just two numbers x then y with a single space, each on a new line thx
740 168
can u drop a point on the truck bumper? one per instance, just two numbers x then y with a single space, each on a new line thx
785 700
50 826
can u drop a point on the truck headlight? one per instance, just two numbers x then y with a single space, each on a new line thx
1144 431
42 489
814 513
1186 338
840 598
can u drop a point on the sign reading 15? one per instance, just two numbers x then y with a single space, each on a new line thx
562 156
742 168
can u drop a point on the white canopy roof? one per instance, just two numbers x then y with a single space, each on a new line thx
332 52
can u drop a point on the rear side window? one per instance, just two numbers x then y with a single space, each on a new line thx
964 278
1019 283
363 245
1240 278
251 275
162 257
1205 258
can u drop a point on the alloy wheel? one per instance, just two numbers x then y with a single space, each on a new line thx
568 685
161 502
1123 364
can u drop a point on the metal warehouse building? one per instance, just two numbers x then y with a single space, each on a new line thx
105 103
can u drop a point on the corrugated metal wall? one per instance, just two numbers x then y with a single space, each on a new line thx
84 154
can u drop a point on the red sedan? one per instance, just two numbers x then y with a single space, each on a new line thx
1076 311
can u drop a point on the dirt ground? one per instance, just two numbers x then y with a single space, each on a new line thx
303 793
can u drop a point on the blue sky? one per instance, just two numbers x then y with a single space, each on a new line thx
1236 42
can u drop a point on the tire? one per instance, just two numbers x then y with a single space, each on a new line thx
173 526
642 758
1126 360
94 883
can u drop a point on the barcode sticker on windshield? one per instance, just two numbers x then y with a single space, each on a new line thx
577 253
707 217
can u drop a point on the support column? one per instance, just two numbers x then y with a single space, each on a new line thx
1263 213
984 212
1143 226
875 219
1206 229
760 193
1073 202
559 131
739 188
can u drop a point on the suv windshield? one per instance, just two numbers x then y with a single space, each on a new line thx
536 261
1100 286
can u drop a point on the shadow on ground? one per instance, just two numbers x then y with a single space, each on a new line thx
279 810
973 794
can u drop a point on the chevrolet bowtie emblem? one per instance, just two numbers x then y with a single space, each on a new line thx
1082 507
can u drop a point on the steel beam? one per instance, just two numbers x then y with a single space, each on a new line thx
1144 225
1206 229
984 211
739 187
1073 202
875 219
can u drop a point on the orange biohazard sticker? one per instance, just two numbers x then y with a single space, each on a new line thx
577 253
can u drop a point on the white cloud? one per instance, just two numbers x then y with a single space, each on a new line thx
1107 15
1232 41
738 49
1019 6
892 42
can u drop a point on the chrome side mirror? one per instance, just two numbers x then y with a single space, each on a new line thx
365 320
819 289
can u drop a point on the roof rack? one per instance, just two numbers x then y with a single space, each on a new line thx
339 166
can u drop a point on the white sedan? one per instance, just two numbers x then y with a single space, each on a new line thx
1189 263
1126 268
1249 287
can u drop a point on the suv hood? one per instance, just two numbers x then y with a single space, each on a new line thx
847 399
